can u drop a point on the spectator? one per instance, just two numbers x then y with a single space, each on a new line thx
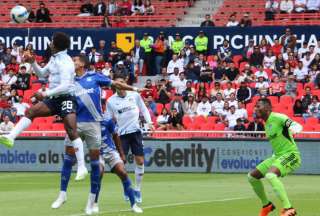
314 75
9 78
244 93
286 6
43 14
242 112
206 73
137 8
192 72
201 43
298 109
271 8
255 125
21 107
149 8
159 49
256 57
11 112
264 46
218 104
177 44
285 72
204 107
224 51
261 73
245 21
6 57
269 60
313 109
306 99
100 8
306 61
102 49
32 16
190 106
231 118
124 8
138 55
288 40
300 6
276 87
107 70
262 87
43 88
14 97
174 63
277 47
233 101
164 92
86 9
163 119
247 51
214 91
291 86
231 73
201 92
302 50
189 90
112 8
223 113
2 67
175 120
207 22
239 126
301 73
218 72
115 54
228 91
146 44
14 66
232 21
94 56
149 101
6 126
177 103
184 58
181 84
313 6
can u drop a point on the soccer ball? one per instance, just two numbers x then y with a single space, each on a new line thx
19 14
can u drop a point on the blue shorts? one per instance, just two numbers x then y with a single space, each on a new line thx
61 105
134 142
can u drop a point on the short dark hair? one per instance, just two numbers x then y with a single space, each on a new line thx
85 61
61 41
265 101
23 67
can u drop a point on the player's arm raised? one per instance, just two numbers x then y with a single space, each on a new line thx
123 86
40 71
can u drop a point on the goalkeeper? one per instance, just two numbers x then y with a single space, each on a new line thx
286 158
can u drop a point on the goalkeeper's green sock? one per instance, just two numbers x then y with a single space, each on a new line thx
279 189
258 189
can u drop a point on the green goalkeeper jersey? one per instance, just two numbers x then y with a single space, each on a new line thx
279 135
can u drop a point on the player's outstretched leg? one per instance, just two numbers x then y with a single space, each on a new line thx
254 179
70 125
139 172
69 160
273 177
119 169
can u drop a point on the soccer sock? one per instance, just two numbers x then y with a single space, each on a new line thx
139 171
66 171
78 147
258 188
279 189
99 188
128 190
20 126
95 176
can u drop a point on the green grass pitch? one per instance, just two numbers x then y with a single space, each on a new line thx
31 194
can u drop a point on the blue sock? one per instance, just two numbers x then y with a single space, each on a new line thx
66 171
95 176
98 192
129 191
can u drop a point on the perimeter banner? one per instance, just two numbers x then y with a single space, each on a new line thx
210 156
84 39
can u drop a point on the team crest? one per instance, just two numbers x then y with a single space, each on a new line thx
89 79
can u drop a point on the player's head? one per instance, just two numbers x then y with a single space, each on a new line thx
120 77
60 42
81 63
263 108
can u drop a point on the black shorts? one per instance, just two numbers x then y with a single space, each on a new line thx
61 105
134 142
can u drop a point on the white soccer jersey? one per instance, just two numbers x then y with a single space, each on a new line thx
126 111
61 72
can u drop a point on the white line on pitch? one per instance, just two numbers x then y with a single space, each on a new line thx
172 205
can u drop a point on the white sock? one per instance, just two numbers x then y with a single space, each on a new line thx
78 147
63 194
20 127
139 171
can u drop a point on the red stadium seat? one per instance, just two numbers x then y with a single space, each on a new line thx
312 121
199 120
186 120
219 127
159 108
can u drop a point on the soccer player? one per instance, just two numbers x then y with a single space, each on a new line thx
89 116
286 158
57 100
125 107
112 153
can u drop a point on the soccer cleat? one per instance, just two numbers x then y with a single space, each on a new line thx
6 141
138 197
81 174
95 208
267 209
288 212
62 198
90 204
136 209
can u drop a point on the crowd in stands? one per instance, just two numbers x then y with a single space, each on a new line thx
290 6
232 21
189 80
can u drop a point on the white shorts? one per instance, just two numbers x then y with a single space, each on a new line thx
90 133
110 157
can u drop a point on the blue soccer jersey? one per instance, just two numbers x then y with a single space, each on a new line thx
88 92
108 128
